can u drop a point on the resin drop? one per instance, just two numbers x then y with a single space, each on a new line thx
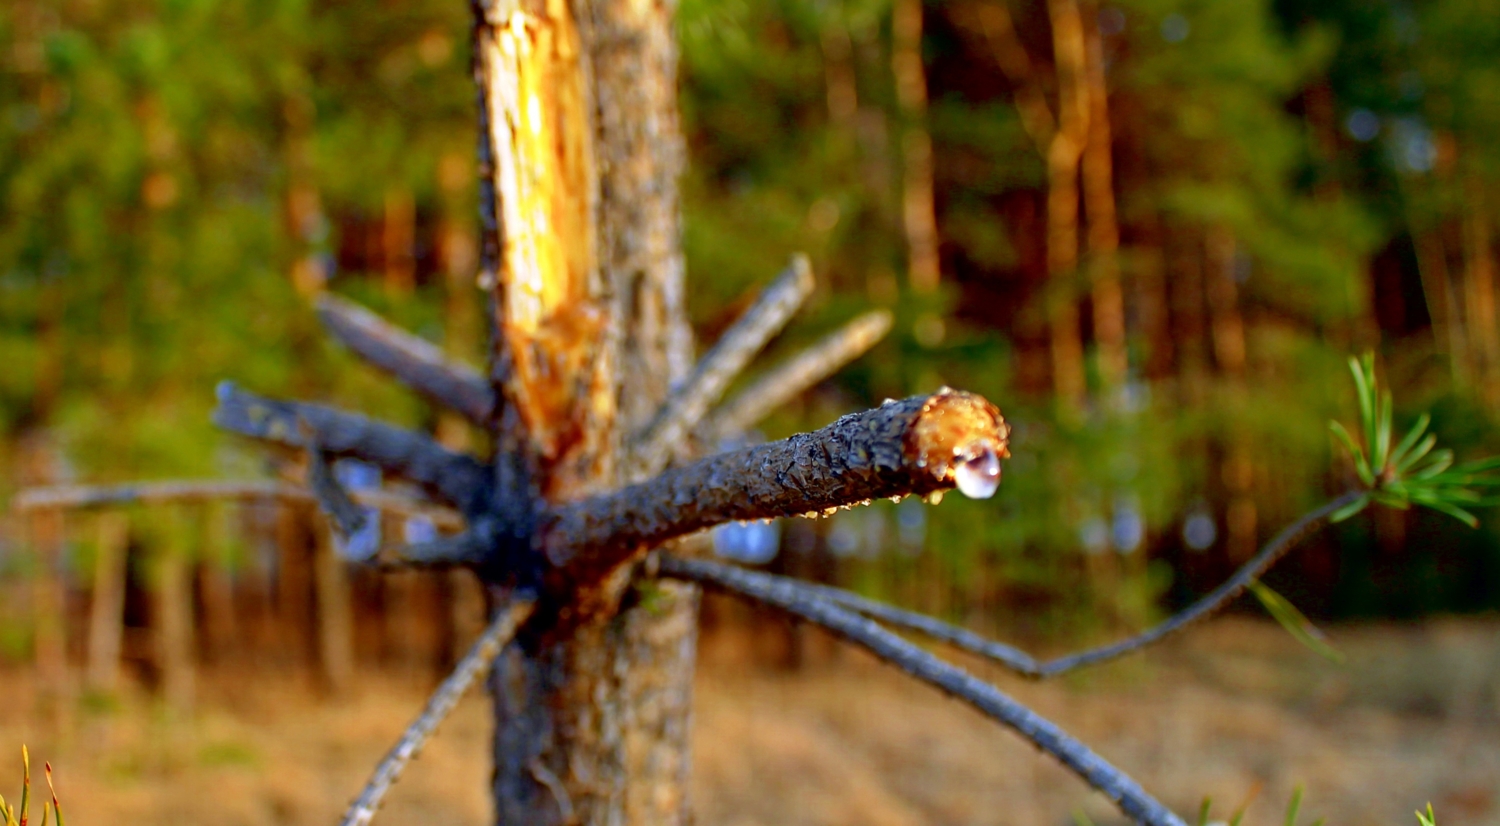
978 477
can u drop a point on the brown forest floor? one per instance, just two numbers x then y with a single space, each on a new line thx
1233 710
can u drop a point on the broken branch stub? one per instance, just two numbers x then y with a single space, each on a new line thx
920 445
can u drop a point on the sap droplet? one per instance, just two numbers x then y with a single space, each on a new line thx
978 477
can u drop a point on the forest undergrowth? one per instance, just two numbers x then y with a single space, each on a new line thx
1237 711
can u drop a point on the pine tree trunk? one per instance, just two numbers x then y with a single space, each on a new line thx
580 121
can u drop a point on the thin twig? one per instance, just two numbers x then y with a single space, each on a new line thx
1216 599
474 664
85 497
781 593
682 411
791 378
914 446
413 361
1025 665
456 478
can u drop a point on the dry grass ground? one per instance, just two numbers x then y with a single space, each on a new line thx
1235 710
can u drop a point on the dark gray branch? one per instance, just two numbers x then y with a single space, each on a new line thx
1024 664
785 594
347 517
457 479
475 664
961 638
411 360
792 378
681 412
915 446
83 497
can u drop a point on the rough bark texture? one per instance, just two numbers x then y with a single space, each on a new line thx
914 446
592 708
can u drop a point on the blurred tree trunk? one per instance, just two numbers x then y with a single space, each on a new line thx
1479 292
107 602
172 611
335 622
580 130
219 639
918 212
1227 330
398 241
1061 138
1103 225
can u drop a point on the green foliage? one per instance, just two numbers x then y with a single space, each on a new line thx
19 818
1410 471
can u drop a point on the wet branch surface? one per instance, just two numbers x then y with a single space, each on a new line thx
790 379
411 360
457 479
913 446
720 365
508 620
787 596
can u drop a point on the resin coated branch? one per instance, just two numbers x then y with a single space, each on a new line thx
83 497
1024 664
791 378
474 665
458 479
916 446
784 594
682 411
412 360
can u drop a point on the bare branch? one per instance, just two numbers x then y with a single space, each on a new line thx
685 407
921 445
961 638
411 360
1024 664
784 594
791 378
82 497
457 479
474 664
1217 599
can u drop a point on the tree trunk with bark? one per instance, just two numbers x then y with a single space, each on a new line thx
579 166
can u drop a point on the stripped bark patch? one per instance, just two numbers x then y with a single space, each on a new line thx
551 320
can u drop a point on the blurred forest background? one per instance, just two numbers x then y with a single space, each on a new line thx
1151 230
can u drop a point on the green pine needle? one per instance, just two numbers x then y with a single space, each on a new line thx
1295 622
1413 471
1292 807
